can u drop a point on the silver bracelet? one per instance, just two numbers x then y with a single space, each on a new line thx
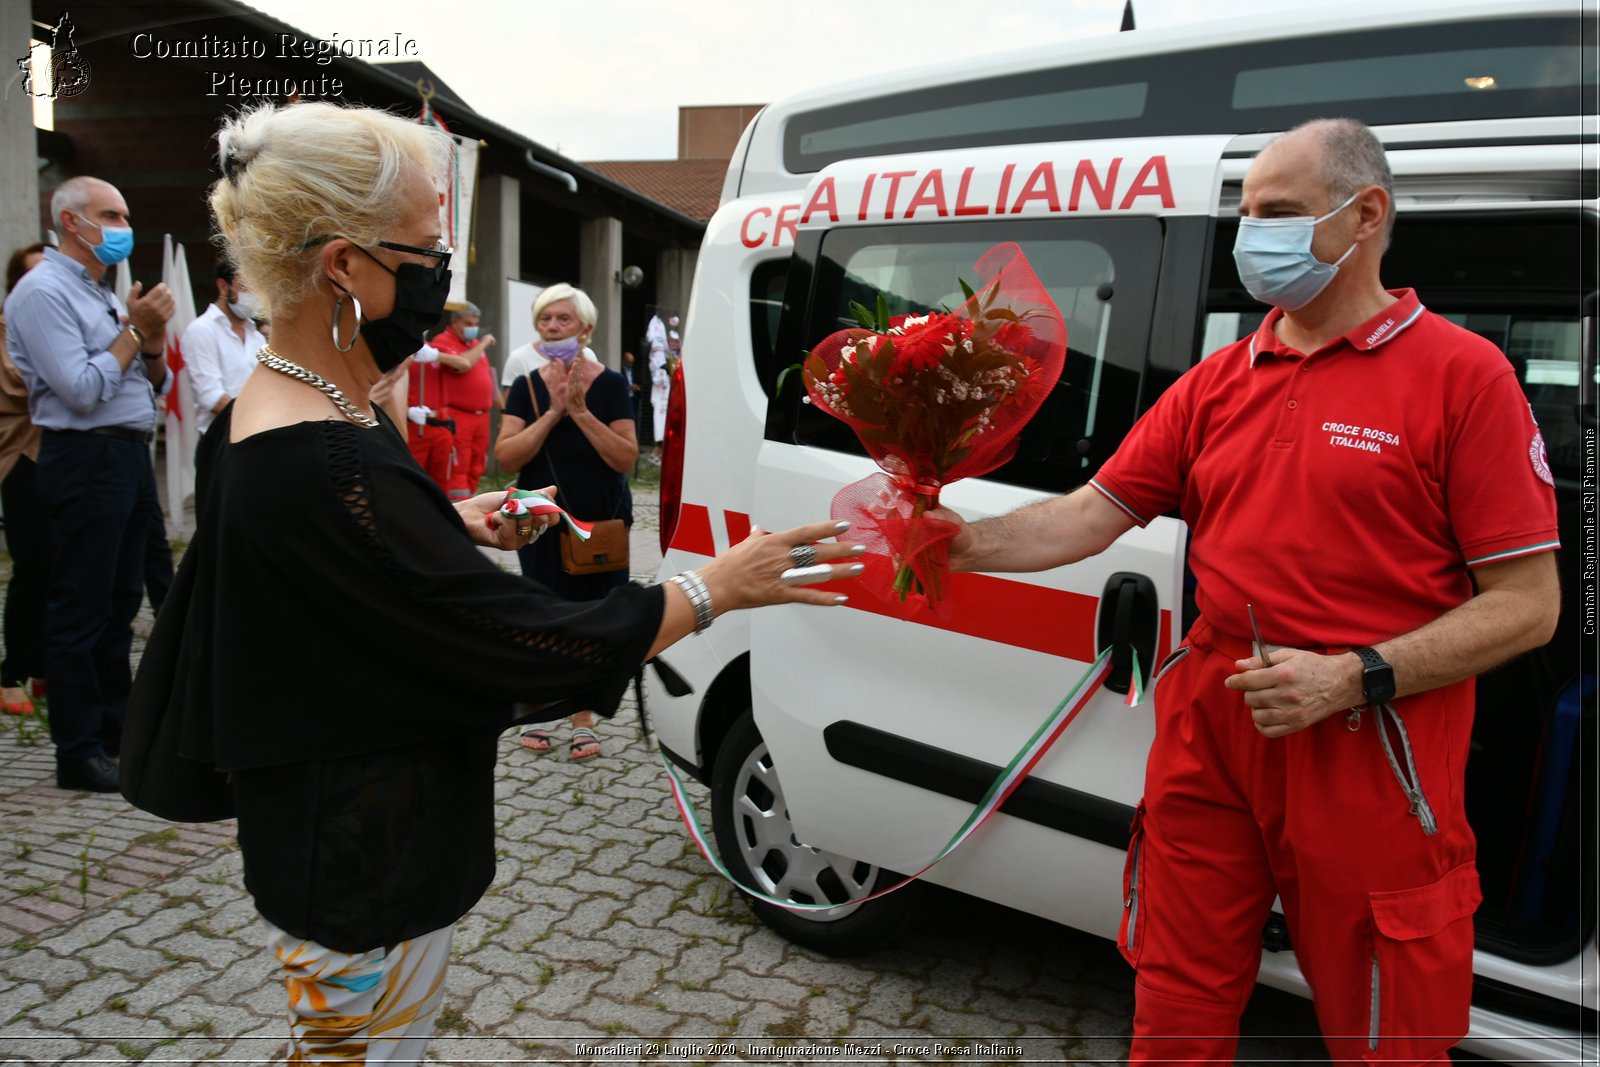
694 587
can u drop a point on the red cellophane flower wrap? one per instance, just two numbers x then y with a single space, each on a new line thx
935 398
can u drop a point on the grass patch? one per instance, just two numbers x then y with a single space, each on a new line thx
451 1021
157 838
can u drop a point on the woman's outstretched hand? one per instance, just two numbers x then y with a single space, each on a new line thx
751 574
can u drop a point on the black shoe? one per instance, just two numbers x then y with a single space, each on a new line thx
97 774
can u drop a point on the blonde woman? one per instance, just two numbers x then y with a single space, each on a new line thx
569 422
366 803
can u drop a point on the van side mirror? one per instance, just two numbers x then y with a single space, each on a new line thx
1588 343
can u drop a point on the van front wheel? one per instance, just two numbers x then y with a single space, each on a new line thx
759 847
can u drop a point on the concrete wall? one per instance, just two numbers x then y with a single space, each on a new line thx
675 273
600 258
499 245
19 172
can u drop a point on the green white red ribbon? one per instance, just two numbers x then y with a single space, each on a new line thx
1009 779
519 502
1136 684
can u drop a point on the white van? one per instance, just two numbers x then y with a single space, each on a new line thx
841 746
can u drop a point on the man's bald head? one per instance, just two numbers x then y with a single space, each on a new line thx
1350 158
74 195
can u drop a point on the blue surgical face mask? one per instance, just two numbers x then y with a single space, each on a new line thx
564 350
116 243
470 333
1275 261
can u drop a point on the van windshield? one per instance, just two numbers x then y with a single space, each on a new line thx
1502 68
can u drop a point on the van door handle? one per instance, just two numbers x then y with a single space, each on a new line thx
1129 619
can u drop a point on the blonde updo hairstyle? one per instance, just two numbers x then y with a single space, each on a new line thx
305 171
582 306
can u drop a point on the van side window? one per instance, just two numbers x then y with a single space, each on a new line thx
767 282
1101 274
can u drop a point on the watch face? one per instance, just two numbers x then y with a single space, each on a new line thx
1378 684
1377 677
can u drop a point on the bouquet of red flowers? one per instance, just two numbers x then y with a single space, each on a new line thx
935 398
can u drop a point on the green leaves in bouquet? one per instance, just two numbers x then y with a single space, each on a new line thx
793 368
876 320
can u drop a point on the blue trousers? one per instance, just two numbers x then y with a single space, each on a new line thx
98 493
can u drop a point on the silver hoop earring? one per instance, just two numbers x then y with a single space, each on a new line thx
338 306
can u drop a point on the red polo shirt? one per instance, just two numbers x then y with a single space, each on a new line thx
469 391
1344 493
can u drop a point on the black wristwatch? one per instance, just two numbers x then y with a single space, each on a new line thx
1377 677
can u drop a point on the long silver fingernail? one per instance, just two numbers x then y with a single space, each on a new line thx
856 550
842 526
841 599
819 572
856 568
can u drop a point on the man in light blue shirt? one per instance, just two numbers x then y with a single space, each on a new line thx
93 367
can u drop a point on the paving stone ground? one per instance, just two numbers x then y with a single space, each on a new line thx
605 939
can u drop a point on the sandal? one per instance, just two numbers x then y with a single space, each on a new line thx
536 740
583 737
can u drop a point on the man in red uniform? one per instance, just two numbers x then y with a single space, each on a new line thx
1370 478
428 433
466 396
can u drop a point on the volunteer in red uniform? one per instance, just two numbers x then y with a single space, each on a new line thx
467 394
1369 477
428 431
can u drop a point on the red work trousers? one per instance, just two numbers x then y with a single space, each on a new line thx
432 447
1379 912
472 451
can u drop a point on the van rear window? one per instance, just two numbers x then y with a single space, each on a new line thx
1501 68
1458 73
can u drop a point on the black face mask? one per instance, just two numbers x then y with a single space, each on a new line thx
419 296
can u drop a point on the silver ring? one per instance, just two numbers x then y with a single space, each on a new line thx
819 572
804 555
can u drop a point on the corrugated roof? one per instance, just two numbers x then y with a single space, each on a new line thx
689 186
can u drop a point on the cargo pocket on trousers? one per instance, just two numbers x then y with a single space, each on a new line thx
1421 992
1128 934
1174 658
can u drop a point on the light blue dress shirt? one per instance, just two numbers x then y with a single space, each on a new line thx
60 323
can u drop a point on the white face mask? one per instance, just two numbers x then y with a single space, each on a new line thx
244 305
1275 261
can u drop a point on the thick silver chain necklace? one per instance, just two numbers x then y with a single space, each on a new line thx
269 358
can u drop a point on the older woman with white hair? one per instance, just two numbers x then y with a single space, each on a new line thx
569 422
365 801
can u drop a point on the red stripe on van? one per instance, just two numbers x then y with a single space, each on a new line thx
1052 621
694 531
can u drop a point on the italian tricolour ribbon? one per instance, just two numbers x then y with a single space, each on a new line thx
1014 774
520 502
